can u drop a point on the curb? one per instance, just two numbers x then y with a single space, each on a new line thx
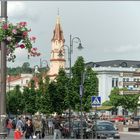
130 133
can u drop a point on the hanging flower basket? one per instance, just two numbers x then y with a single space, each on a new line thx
17 36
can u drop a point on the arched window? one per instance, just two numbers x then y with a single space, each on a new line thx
123 64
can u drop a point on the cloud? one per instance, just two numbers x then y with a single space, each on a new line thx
21 11
124 48
15 8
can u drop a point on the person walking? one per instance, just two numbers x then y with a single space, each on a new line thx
44 127
20 124
29 129
57 129
8 126
50 126
37 127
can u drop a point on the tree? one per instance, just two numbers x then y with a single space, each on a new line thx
90 87
62 90
26 68
44 99
128 101
57 93
15 104
77 70
90 84
106 103
53 103
115 98
29 97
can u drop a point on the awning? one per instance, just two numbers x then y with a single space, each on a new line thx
103 108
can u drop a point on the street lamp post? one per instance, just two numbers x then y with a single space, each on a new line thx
3 76
38 67
42 62
81 103
70 51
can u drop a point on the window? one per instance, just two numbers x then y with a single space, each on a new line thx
114 82
123 64
135 86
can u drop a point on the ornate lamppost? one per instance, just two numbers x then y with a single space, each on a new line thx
43 62
70 51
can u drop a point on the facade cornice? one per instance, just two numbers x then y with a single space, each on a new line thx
58 59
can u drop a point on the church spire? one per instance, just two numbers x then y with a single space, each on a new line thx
58 33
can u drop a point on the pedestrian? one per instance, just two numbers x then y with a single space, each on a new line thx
50 125
29 129
57 129
8 126
37 127
17 134
20 124
44 125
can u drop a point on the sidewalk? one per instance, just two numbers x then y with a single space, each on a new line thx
130 133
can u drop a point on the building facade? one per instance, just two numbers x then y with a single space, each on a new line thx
22 80
117 73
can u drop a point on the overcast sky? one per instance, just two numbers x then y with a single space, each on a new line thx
108 30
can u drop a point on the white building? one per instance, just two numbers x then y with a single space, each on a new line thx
117 73
21 80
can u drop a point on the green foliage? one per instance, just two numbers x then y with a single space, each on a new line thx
53 103
25 68
90 85
115 97
60 94
29 96
128 102
15 104
43 99
106 103
62 90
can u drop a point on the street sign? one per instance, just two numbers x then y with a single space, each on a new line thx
95 100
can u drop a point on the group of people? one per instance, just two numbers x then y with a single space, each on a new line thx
37 127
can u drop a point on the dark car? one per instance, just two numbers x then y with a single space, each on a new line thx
136 118
103 130
75 129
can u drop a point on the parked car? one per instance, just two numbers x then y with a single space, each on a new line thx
136 118
75 129
119 119
103 130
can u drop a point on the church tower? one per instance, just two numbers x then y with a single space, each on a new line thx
57 61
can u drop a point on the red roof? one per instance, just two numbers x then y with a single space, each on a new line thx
12 78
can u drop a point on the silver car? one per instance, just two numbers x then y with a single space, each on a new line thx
103 130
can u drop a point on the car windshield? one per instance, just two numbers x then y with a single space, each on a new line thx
105 128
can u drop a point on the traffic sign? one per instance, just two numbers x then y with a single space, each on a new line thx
95 100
